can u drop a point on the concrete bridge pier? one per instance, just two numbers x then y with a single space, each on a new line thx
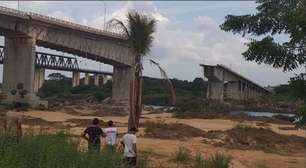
19 67
215 90
39 78
75 79
104 79
96 80
86 79
122 77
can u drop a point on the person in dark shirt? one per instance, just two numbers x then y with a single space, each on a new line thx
92 135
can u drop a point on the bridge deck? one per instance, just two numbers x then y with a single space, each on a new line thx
58 22
110 47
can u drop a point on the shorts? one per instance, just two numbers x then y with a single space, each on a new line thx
94 148
130 161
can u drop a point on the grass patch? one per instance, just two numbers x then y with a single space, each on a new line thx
183 155
52 151
217 160
170 130
260 165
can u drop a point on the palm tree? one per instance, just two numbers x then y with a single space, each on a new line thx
139 31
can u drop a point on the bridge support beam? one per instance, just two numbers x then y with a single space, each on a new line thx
75 79
121 84
96 80
39 78
86 79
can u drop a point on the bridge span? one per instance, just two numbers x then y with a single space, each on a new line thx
25 30
59 62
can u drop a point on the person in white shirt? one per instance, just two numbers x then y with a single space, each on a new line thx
110 135
130 149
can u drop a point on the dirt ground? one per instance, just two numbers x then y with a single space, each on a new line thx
161 150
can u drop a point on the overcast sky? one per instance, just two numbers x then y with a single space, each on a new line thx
188 34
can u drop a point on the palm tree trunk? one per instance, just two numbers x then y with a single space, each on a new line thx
136 95
131 122
139 103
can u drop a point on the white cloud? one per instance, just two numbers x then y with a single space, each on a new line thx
61 15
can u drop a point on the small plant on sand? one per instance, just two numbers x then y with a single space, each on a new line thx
217 160
260 165
183 155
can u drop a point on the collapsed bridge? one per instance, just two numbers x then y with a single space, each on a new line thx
224 83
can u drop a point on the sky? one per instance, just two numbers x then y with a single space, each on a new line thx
187 35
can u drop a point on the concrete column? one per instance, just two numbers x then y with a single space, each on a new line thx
96 79
122 78
215 90
19 65
75 79
104 79
86 79
39 78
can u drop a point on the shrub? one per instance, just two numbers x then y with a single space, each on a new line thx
199 108
214 161
182 155
54 87
99 96
218 160
260 165
21 106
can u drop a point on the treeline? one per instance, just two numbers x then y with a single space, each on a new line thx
154 90
155 94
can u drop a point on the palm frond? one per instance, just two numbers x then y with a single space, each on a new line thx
169 87
141 28
115 24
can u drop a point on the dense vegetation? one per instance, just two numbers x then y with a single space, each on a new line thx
154 89
50 151
61 151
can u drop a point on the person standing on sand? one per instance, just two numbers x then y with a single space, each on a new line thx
111 133
130 148
92 134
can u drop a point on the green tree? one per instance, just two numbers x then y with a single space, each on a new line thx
56 76
273 17
139 31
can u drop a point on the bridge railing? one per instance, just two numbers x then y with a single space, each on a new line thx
1 54
50 61
59 21
56 61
